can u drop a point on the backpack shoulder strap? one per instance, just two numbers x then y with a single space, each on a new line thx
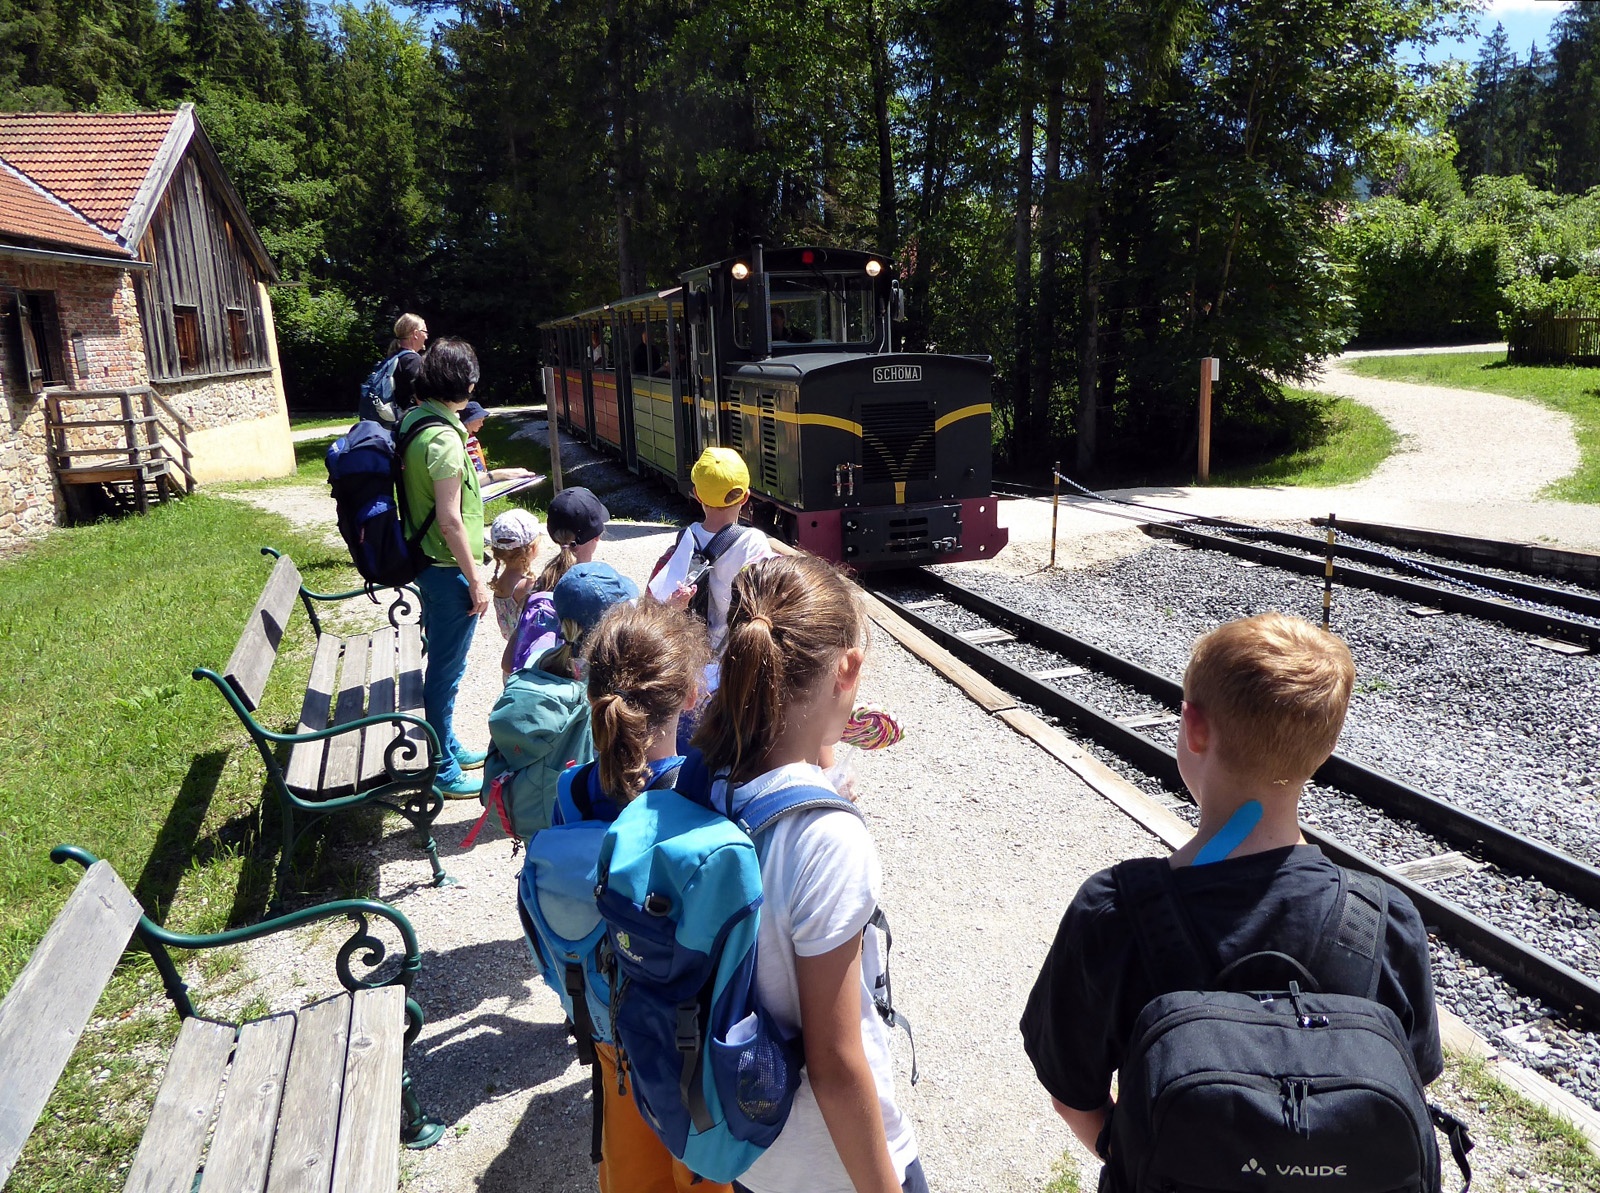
402 443
1173 958
1349 959
764 811
722 541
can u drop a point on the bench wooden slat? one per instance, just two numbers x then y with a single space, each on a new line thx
308 1125
169 1153
304 775
381 695
242 1145
367 1157
408 685
253 657
344 752
49 1004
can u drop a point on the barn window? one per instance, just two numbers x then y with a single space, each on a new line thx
239 335
186 322
34 329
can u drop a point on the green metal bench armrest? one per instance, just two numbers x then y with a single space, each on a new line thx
317 734
402 602
158 939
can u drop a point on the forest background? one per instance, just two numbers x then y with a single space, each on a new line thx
1097 193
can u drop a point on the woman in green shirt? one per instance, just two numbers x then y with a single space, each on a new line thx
439 477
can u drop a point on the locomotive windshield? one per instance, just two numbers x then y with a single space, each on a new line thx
813 308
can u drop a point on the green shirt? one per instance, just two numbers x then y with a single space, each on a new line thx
438 453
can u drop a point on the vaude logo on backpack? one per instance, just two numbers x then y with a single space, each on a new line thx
1286 1089
364 472
680 890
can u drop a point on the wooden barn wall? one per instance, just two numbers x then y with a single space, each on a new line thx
199 263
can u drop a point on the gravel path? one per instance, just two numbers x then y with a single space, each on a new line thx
1469 462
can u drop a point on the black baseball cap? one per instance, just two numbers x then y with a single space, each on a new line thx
578 512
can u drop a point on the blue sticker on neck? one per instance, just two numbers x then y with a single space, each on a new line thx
1231 835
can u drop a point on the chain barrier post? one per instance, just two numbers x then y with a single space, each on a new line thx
1210 369
1055 507
1327 578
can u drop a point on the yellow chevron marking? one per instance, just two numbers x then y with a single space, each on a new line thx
965 412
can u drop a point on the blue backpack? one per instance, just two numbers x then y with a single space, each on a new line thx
377 392
679 886
556 901
370 500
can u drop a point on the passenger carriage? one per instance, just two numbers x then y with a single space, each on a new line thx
866 456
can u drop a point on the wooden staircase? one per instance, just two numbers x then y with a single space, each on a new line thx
102 473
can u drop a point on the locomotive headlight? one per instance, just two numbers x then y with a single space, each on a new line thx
740 271
874 268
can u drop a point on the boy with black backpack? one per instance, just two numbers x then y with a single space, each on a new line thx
1269 1015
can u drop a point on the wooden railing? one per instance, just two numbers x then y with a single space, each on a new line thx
1568 337
153 450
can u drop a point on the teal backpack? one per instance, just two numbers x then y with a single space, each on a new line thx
679 887
538 728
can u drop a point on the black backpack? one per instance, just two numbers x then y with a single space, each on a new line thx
1307 1087
364 472
701 561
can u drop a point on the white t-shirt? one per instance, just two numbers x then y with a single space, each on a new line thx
750 546
820 880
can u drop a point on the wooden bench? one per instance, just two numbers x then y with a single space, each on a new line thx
313 1099
362 740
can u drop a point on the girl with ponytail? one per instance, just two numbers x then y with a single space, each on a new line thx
790 669
644 663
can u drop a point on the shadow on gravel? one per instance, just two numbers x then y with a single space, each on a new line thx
549 1150
487 1057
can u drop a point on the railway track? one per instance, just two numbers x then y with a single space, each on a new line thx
1562 614
1536 972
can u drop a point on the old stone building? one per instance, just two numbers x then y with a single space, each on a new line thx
133 297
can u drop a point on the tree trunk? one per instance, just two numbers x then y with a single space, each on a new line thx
888 217
1044 341
1022 368
1089 331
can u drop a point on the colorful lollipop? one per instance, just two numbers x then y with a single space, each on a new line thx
872 727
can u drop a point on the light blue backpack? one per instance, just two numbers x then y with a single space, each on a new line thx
679 886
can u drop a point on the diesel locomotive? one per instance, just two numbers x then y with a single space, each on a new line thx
866 456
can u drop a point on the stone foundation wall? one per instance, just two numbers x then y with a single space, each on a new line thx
92 301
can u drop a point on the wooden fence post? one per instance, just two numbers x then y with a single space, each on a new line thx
1210 369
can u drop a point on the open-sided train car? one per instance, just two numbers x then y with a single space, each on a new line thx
866 456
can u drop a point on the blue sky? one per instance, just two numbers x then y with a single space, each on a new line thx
1526 22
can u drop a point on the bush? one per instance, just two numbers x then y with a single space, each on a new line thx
325 346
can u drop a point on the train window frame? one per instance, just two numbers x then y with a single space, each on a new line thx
790 291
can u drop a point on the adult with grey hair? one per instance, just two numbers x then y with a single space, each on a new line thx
443 499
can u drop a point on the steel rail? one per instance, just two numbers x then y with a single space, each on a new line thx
1516 616
1535 972
1505 847
1534 559
1584 603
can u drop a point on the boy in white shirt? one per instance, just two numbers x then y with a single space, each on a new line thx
721 486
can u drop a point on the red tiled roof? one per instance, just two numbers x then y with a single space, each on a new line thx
29 215
95 161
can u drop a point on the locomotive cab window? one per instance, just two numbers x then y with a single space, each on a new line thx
813 308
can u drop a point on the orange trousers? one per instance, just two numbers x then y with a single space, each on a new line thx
632 1159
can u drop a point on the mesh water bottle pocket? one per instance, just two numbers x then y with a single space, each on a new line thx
756 1072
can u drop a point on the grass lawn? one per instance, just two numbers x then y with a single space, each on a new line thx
1571 390
107 743
333 422
1344 442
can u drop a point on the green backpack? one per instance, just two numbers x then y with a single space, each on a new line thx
538 728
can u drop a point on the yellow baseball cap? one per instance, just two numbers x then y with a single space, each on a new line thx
720 477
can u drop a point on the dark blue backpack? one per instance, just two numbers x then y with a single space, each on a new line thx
364 472
377 392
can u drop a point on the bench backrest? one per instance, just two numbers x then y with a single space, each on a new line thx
50 1003
252 659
